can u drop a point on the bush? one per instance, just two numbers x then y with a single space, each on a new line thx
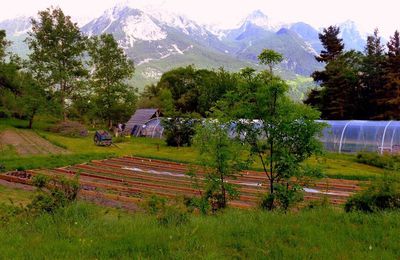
385 161
53 193
283 197
172 212
382 195
179 131
70 128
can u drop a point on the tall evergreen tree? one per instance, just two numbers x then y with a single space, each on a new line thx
389 97
339 92
111 68
333 45
57 48
372 76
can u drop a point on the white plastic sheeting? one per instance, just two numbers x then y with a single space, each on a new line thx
342 136
356 136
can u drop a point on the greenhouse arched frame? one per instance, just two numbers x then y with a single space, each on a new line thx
341 136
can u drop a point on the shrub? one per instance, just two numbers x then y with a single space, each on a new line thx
179 131
385 161
384 194
70 128
53 193
172 212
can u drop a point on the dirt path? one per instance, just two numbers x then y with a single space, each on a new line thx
27 142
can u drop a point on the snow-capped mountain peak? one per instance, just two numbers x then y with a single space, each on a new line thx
142 27
258 18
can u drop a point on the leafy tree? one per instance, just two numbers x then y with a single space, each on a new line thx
32 99
179 130
193 90
270 58
111 68
280 133
221 157
57 47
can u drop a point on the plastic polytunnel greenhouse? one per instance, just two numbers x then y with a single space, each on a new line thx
349 136
355 136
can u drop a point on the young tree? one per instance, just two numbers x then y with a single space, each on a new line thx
270 58
111 69
222 158
57 48
280 133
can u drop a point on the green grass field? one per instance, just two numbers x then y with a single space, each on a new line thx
85 231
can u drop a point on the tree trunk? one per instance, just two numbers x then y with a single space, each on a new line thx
64 112
223 190
30 122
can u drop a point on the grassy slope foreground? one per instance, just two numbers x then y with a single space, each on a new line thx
85 231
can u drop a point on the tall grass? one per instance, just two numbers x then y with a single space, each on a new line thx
85 231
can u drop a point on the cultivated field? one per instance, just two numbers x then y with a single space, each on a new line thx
130 179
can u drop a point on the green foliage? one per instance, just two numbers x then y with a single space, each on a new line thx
4 44
333 45
56 58
178 131
356 85
53 193
388 97
282 135
113 98
188 90
385 161
383 194
221 157
340 94
270 58
168 212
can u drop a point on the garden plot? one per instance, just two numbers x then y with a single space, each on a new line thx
132 179
28 143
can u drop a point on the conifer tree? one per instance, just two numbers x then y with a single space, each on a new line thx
372 76
389 97
339 92
333 45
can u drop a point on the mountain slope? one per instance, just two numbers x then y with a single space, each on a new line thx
158 41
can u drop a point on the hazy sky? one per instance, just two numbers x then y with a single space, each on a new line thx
369 14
